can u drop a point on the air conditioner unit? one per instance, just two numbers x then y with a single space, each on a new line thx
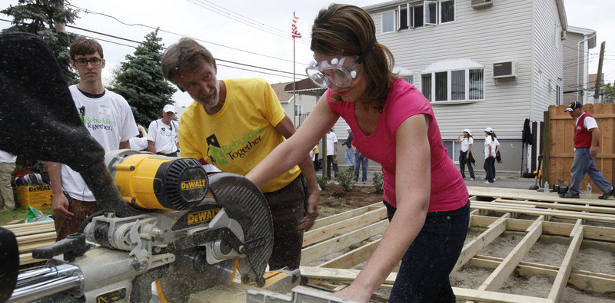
506 69
477 4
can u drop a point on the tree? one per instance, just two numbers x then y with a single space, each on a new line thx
139 80
47 19
609 93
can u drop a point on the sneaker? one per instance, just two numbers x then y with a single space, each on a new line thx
569 195
471 179
606 195
487 182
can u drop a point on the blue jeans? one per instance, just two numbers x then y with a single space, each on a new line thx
423 274
582 164
489 167
360 161
350 156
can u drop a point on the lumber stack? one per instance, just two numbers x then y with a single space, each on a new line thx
31 236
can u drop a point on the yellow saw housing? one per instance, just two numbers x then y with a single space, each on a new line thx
151 181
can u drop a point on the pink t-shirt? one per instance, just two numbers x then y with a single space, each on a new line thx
448 190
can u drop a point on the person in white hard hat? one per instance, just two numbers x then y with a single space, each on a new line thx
491 148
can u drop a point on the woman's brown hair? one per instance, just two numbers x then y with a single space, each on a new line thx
348 30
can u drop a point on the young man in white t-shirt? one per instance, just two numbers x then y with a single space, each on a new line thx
162 133
108 118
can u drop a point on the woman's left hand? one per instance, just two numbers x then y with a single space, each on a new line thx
353 294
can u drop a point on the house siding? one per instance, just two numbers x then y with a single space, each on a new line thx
547 58
570 65
500 33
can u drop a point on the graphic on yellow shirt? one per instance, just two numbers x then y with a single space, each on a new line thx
220 155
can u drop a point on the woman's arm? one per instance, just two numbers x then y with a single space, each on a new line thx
412 188
294 150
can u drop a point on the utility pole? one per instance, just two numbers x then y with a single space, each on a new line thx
599 75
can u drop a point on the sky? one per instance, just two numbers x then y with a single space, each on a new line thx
257 33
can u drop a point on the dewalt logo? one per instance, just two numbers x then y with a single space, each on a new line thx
39 188
192 184
203 216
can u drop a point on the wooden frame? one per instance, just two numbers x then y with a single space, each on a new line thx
334 261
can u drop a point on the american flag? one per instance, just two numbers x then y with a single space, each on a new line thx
295 32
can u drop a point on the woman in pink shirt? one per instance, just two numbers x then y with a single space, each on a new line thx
393 124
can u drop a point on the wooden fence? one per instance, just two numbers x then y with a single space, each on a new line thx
559 134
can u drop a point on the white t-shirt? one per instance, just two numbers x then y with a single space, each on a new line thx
494 143
465 143
138 143
110 121
331 140
163 135
588 122
7 158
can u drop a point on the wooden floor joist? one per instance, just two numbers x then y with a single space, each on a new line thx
496 211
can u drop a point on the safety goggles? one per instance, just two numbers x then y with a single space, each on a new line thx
342 71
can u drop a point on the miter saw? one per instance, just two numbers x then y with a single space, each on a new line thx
165 221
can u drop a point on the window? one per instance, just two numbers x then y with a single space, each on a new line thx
447 11
417 16
431 12
458 85
441 86
403 17
453 149
388 21
476 84
409 79
426 86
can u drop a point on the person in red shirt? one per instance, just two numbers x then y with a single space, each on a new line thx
586 134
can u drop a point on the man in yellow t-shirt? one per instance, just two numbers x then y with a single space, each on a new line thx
234 124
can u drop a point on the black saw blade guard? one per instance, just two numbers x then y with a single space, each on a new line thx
39 120
244 202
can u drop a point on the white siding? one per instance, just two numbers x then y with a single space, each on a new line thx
548 57
570 65
500 33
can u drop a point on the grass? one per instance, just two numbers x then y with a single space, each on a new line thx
18 214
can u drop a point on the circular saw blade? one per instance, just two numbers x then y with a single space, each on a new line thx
190 273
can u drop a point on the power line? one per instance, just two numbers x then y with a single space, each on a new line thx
88 11
217 59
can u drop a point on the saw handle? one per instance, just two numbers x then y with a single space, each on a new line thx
72 247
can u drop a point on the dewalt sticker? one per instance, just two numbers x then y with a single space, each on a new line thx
192 184
203 216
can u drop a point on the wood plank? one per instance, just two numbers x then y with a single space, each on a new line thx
343 216
497 278
352 258
497 297
331 230
584 280
524 194
43 237
338 243
557 205
337 274
471 248
564 271
539 212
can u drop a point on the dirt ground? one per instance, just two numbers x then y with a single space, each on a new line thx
334 200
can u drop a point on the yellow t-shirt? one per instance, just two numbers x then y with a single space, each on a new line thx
241 134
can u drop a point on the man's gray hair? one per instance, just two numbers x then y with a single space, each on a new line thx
183 56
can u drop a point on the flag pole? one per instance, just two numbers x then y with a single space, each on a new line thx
294 82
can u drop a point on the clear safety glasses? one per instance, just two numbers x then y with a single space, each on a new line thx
341 76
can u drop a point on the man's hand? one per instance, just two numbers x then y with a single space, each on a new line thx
593 150
59 203
312 211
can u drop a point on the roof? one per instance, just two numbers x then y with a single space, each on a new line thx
279 90
586 32
305 87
